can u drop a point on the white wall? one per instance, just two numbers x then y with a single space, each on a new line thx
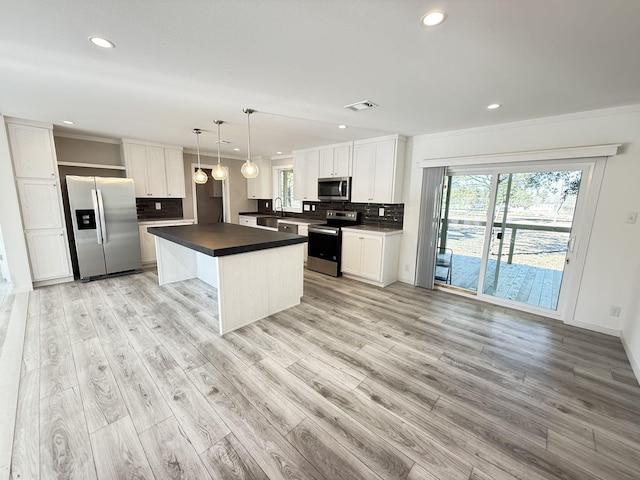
11 221
614 249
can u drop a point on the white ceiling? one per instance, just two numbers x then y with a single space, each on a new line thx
181 64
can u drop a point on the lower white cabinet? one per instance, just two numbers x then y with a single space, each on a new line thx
48 252
247 220
148 241
371 255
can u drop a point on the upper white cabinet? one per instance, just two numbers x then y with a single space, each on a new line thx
261 186
305 172
378 166
174 166
335 160
36 169
33 151
157 171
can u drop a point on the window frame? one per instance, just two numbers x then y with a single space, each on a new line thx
276 188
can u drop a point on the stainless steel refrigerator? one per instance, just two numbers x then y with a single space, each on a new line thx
105 225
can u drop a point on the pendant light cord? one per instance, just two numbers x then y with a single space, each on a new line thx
249 111
197 132
218 123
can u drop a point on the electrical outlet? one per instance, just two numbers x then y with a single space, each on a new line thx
381 212
306 208
631 217
614 311
313 208
267 205
158 206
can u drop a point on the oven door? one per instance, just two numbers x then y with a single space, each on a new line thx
324 251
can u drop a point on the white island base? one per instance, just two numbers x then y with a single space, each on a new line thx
250 286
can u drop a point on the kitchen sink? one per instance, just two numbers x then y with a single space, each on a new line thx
268 221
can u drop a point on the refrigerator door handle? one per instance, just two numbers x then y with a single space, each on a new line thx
103 221
96 212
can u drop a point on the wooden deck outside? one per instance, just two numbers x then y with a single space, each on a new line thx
522 283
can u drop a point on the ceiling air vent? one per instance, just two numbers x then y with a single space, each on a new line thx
364 105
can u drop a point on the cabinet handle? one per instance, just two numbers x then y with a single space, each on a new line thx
150 195
168 194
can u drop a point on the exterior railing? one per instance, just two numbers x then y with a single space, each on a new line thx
513 226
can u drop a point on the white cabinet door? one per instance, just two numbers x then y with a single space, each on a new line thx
261 186
174 166
371 263
305 174
351 253
312 160
364 169
156 174
147 245
48 254
136 162
32 150
342 161
385 171
326 166
40 203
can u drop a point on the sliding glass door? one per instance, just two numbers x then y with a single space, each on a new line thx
508 234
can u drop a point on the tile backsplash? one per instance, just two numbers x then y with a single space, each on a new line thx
169 208
369 212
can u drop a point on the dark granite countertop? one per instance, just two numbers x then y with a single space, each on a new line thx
222 239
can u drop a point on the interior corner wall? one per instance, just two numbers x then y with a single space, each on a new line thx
613 250
11 221
237 184
631 328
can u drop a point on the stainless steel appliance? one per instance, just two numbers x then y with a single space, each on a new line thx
287 227
334 189
105 225
325 242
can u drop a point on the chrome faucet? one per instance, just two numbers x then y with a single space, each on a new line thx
275 206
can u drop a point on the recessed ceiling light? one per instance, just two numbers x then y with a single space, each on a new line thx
278 153
363 105
102 42
493 106
342 126
67 122
222 142
236 149
433 18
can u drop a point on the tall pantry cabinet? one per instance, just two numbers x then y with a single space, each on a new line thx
40 196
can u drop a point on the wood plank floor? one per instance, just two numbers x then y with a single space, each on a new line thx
122 378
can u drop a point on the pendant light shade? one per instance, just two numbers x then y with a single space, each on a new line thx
219 172
199 176
249 168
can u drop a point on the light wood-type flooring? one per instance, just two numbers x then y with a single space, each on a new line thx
124 379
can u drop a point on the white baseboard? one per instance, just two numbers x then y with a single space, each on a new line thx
16 289
594 328
10 365
634 361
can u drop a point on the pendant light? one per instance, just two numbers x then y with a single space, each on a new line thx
219 172
249 168
199 176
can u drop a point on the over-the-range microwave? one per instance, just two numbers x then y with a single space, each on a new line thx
334 189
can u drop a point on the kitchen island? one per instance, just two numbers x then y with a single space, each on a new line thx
255 272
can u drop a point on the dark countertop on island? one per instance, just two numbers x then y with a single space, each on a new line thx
220 239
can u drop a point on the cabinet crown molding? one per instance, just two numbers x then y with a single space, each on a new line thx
151 144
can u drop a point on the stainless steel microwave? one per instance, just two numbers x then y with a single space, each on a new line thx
334 189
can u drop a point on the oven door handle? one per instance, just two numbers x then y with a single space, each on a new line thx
325 231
